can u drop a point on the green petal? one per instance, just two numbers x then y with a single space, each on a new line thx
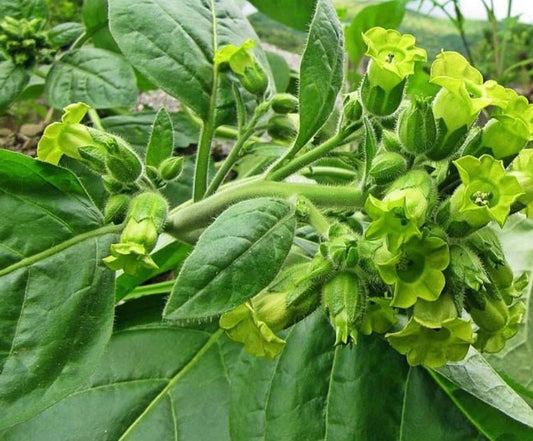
74 113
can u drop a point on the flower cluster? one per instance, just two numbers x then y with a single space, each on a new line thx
421 263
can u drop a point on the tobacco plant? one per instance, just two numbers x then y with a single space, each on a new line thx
340 274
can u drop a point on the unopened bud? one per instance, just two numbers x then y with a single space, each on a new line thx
284 103
387 166
416 127
171 168
282 127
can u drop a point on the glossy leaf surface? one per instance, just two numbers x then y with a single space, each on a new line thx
56 317
236 257
294 13
154 33
321 71
97 77
13 79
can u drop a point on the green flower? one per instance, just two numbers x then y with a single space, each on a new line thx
67 136
522 169
493 342
433 347
435 314
379 317
398 217
415 270
486 193
246 325
130 257
393 57
244 64
511 126
464 94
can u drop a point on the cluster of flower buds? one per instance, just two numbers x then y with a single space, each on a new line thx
24 42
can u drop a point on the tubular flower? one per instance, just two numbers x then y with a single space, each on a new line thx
393 57
433 347
65 137
398 217
379 317
522 169
245 325
511 126
493 342
415 270
463 94
486 193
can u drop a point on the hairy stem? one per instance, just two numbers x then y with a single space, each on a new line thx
187 221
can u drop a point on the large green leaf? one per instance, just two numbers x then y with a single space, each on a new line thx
314 391
96 21
97 77
155 382
492 423
159 382
13 79
56 301
24 8
294 13
321 71
475 376
235 258
385 14
153 35
515 361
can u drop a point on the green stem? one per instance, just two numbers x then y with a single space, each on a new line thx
95 119
204 146
236 150
187 221
150 290
306 159
81 40
315 217
333 172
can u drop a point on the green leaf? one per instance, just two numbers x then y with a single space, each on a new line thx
24 9
475 376
96 21
56 301
388 15
321 72
280 71
155 382
13 80
96 77
514 362
235 258
161 144
294 13
135 128
64 33
154 33
167 258
492 423
314 391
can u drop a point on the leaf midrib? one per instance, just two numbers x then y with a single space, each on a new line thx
280 223
30 260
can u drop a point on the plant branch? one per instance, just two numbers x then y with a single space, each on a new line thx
187 221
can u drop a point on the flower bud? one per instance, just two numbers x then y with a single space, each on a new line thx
387 166
116 207
492 315
416 127
254 79
282 128
121 162
340 299
171 168
284 103
353 110
149 205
